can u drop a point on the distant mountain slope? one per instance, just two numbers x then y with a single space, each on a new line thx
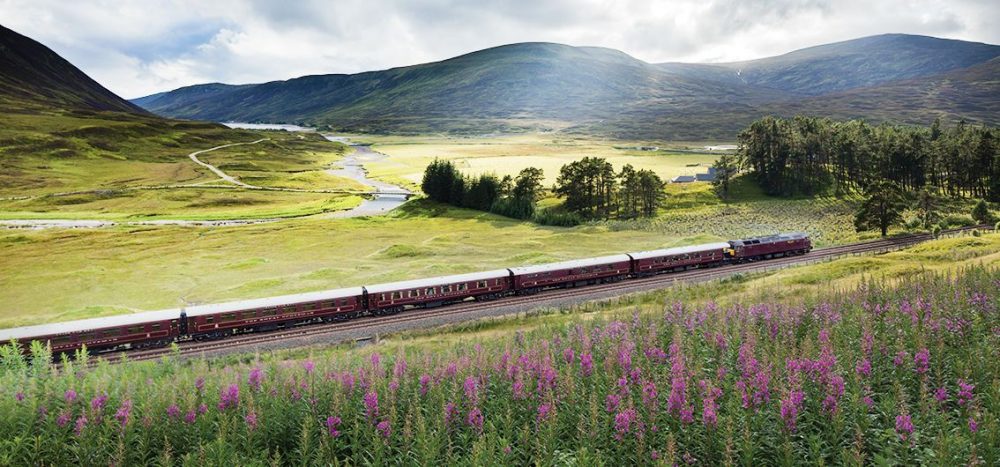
864 62
971 93
543 85
31 75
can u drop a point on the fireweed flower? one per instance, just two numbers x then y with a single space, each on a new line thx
173 411
332 423
64 418
371 404
202 409
586 363
190 417
921 361
97 403
400 368
900 358
123 412
973 426
384 428
450 412
568 355
544 411
251 419
864 367
964 392
941 395
229 397
475 419
309 366
255 378
19 396
70 396
904 426
611 402
425 381
471 387
199 384
81 424
623 423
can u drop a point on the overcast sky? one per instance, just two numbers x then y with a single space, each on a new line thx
140 47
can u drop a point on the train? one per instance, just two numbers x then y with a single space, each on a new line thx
217 321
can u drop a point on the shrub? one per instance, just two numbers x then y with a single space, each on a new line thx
936 231
557 218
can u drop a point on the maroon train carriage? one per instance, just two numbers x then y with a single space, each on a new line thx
771 246
533 279
131 331
264 314
647 263
436 291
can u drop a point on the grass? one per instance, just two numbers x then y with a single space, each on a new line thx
115 162
508 155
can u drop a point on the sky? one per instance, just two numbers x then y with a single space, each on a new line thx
136 48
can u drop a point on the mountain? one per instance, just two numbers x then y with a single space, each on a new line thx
864 62
35 76
605 91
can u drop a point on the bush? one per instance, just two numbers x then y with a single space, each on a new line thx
958 220
936 231
981 213
514 208
557 218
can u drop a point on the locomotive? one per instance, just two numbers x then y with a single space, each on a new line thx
217 321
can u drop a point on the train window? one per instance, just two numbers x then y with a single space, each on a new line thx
462 287
61 339
156 326
498 282
430 291
289 309
229 317
343 302
411 293
446 289
481 284
110 332
135 329
209 319
309 306
249 314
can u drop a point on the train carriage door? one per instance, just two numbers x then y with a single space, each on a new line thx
184 323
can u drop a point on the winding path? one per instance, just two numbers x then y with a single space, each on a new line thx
220 173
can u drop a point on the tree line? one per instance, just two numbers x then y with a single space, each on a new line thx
806 156
591 189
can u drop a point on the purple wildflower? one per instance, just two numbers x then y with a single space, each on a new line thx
97 403
941 394
904 426
202 409
384 428
331 425
19 396
450 412
400 368
199 384
123 412
568 355
544 411
309 366
964 392
973 426
255 378
623 422
229 397
864 367
425 381
921 360
190 417
586 363
649 395
611 402
81 423
64 418
251 419
471 389
371 404
475 419
900 358
376 360
173 411
70 396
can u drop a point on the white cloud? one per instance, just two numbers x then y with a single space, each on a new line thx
137 47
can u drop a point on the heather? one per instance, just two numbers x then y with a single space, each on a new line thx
889 372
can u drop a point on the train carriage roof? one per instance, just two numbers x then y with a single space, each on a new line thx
576 263
83 325
271 302
683 250
436 281
771 238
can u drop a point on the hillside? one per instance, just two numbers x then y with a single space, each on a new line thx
598 90
869 61
35 76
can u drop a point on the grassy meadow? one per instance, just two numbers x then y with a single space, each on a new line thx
508 155
880 368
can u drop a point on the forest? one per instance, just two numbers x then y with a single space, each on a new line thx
808 156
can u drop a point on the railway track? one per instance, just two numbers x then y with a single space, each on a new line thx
508 305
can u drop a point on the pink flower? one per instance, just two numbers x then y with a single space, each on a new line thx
471 389
973 426
199 384
904 426
475 419
70 396
309 366
900 358
921 361
19 396
544 411
964 392
81 423
611 402
586 363
623 423
251 419
123 412
255 378
384 428
64 418
97 403
331 425
864 367
173 411
425 381
229 397
190 417
371 404
941 394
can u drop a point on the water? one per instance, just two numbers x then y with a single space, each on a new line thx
267 126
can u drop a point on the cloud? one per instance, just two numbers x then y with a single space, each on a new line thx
137 47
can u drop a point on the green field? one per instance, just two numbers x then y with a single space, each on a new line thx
508 155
